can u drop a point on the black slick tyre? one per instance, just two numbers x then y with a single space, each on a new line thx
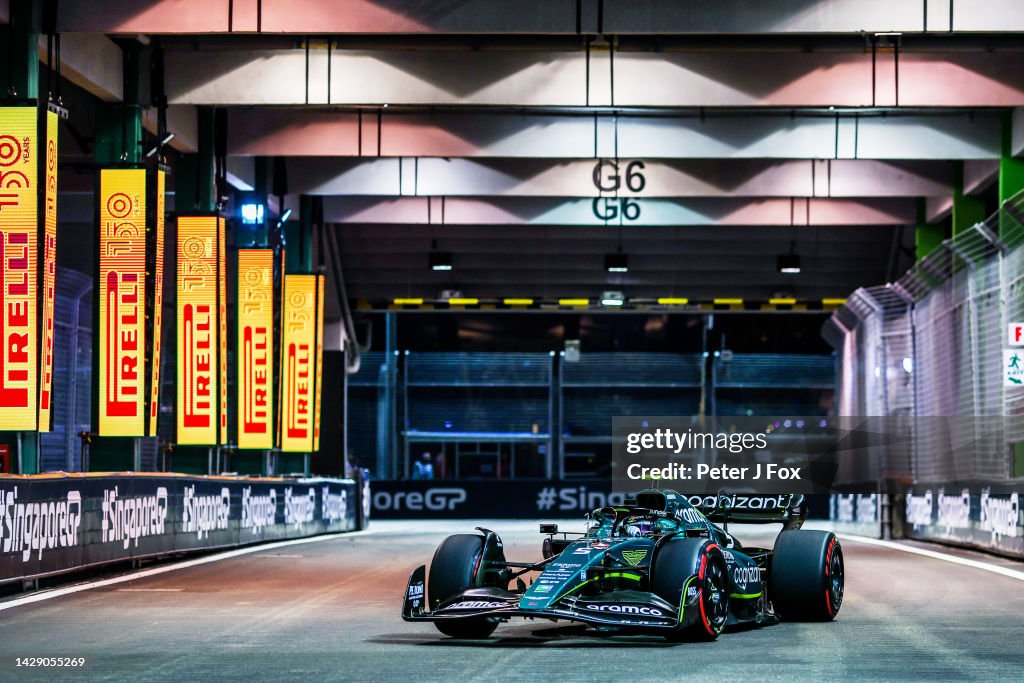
807 576
454 568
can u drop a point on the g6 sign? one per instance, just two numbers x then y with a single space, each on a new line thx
608 179
610 208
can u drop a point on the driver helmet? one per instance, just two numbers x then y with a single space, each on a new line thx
640 528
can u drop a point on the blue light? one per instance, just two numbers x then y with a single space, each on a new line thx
252 214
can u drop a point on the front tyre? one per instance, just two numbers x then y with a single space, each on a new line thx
455 567
699 564
807 576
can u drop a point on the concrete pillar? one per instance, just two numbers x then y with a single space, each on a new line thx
19 75
926 236
1011 168
966 210
193 181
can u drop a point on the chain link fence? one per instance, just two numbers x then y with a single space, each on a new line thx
931 352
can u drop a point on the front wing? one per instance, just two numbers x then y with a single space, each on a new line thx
620 610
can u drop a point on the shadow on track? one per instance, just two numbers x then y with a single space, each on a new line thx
574 636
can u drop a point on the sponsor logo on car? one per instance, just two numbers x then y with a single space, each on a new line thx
415 591
691 594
690 515
626 609
476 604
743 576
740 502
634 557
543 588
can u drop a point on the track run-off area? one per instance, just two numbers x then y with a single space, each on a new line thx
329 609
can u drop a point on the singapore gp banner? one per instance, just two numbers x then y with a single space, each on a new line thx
19 239
529 499
980 515
198 331
49 278
56 524
121 324
298 371
255 348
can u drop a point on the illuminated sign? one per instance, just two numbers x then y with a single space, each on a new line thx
317 390
49 281
158 305
222 307
255 348
298 324
198 330
19 221
122 290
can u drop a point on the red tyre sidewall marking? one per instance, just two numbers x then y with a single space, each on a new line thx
700 598
828 576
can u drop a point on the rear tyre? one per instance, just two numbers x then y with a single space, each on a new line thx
807 576
673 567
454 568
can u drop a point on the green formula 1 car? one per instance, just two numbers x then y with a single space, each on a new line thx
659 564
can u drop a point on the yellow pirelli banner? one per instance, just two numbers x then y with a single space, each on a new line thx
298 341
19 231
222 308
158 305
198 397
122 302
319 360
254 362
49 278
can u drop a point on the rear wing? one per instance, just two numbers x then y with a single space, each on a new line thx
788 509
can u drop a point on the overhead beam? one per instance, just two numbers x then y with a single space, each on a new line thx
452 177
610 211
92 62
539 16
535 78
277 131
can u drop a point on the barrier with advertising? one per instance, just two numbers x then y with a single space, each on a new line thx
985 516
479 499
55 524
856 513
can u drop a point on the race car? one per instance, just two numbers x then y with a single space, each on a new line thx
662 563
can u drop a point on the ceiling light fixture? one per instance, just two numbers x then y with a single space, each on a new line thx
439 260
617 262
789 263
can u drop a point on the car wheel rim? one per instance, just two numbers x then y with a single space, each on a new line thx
716 596
835 575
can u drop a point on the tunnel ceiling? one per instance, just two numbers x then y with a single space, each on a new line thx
531 140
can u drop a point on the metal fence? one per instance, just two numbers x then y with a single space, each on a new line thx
930 348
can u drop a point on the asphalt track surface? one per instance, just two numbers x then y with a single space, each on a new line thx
330 611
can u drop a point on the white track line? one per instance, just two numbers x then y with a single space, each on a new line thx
994 568
153 571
